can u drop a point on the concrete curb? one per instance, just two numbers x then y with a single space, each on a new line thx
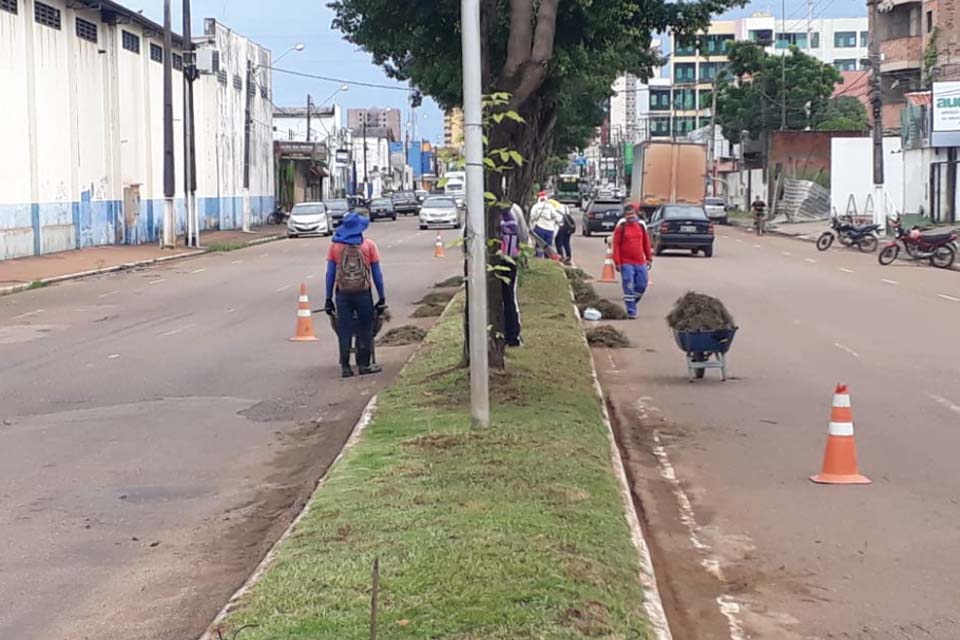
365 419
123 267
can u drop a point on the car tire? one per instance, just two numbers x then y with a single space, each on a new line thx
586 231
423 227
694 252
708 252
658 249
291 235
724 221
394 218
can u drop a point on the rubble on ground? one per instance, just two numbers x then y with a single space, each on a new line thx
607 336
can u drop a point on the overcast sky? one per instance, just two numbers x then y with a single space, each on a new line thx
281 24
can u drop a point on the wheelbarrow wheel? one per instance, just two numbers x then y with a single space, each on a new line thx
698 372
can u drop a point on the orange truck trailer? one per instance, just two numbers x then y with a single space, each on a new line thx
665 171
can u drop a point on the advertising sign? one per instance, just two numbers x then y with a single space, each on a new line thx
946 114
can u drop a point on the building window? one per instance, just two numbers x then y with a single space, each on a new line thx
685 72
815 40
237 82
864 38
251 89
685 99
660 99
222 77
8 5
706 99
717 44
929 20
264 93
709 71
787 40
46 15
685 125
846 64
177 61
131 42
685 46
845 39
156 53
763 37
86 30
660 126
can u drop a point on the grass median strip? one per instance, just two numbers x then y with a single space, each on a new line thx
515 532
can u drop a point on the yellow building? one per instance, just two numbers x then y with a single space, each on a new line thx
453 128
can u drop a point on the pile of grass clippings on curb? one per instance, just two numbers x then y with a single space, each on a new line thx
438 297
450 283
402 336
511 532
607 336
576 274
428 311
608 310
583 293
699 312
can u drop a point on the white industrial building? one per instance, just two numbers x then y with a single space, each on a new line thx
83 135
326 128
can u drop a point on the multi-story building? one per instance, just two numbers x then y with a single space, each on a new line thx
683 104
453 128
376 117
83 132
628 109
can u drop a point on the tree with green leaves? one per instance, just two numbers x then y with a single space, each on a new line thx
753 103
556 60
844 113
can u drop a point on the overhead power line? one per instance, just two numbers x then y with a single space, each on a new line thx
343 81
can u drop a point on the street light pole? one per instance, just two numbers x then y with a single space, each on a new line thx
189 131
476 234
169 169
876 103
308 118
248 125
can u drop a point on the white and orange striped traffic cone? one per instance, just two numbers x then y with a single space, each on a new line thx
609 274
840 458
304 319
438 246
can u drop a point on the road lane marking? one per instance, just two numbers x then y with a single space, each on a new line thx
756 246
893 282
231 310
113 356
28 314
264 255
739 240
946 297
786 253
810 260
236 262
846 349
174 332
284 288
201 270
158 281
944 402
107 295
846 270
311 276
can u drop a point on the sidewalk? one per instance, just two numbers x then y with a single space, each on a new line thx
22 273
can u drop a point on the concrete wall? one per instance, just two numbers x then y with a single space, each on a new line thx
852 176
83 137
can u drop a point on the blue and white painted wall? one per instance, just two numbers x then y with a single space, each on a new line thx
83 132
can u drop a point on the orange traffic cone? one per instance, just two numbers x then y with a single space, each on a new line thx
609 273
438 247
304 319
840 458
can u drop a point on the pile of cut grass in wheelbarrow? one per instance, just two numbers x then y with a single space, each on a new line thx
699 312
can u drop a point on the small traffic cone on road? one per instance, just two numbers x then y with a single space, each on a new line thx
304 319
609 273
840 458
438 247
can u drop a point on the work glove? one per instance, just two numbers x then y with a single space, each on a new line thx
329 308
381 306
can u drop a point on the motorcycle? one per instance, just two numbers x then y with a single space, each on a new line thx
939 248
863 237
278 216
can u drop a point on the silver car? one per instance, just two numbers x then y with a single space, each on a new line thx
716 209
309 219
439 211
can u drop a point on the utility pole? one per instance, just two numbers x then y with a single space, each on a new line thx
876 103
712 147
476 234
189 131
783 66
169 169
810 24
366 186
308 117
248 125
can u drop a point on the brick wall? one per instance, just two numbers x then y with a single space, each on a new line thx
902 53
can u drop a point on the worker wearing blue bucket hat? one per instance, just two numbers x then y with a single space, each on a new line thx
353 269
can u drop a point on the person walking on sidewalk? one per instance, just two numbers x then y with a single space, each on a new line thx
759 208
632 257
353 268
568 227
510 232
545 220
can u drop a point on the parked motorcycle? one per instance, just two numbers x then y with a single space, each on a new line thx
939 248
278 216
864 237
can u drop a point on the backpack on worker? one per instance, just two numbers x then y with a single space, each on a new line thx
353 272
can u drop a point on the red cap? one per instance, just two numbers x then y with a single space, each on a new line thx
542 194
841 388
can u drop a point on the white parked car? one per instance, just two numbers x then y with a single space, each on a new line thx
439 211
309 219
716 209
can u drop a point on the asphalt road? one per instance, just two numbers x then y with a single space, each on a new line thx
158 431
747 545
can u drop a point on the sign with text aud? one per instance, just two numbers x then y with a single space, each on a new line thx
946 114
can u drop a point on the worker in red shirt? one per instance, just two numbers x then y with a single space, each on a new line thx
632 257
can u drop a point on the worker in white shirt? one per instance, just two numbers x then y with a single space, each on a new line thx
546 221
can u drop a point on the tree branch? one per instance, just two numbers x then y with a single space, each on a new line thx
521 35
535 70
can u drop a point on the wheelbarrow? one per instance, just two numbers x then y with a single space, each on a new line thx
378 321
705 350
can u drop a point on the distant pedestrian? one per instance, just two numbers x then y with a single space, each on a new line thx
545 220
632 257
759 208
568 227
353 269
510 231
